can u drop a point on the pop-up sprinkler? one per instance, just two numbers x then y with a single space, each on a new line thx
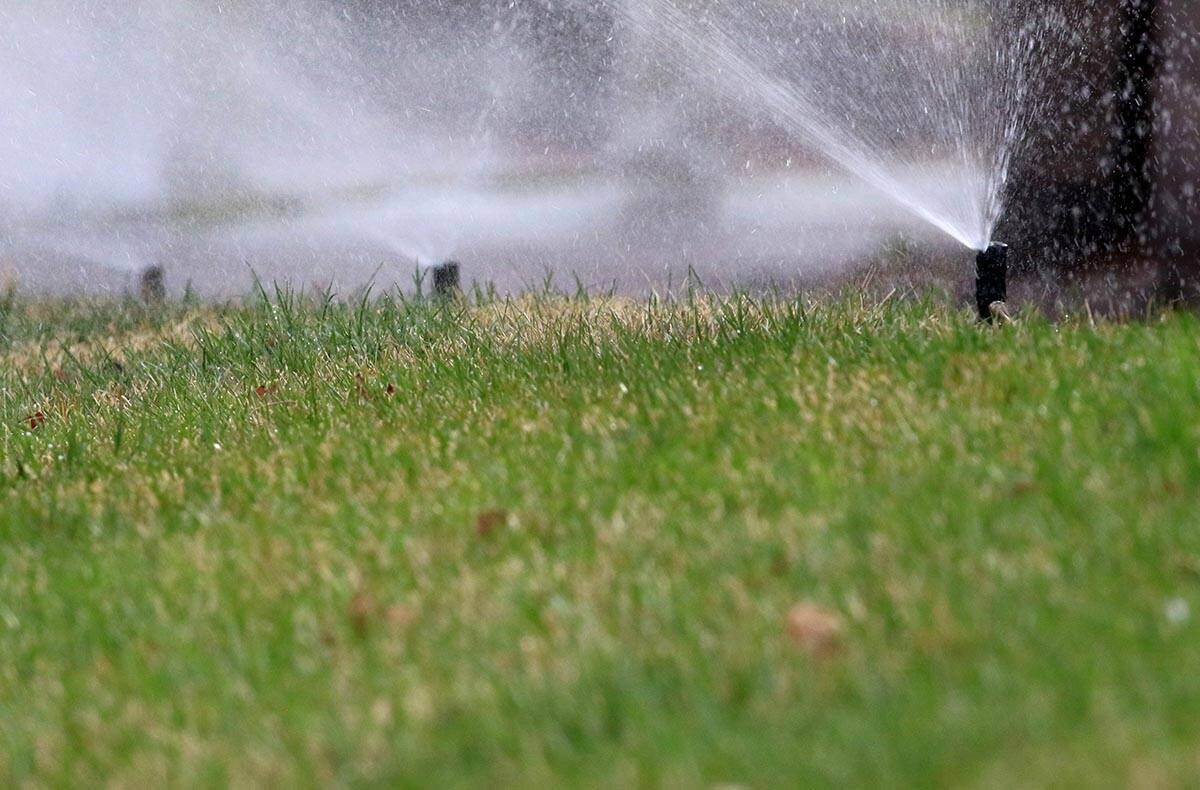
991 281
152 284
447 279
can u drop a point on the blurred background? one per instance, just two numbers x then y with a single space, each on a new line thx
332 143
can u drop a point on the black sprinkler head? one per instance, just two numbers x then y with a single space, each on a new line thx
991 282
447 279
152 284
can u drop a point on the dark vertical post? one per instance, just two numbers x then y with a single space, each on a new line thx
991 279
1137 71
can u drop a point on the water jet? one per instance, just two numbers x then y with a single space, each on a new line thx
991 279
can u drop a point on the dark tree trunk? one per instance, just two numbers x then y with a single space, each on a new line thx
1137 72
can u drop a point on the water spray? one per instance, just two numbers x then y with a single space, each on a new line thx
991 280
447 279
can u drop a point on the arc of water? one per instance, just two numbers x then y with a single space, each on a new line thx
793 105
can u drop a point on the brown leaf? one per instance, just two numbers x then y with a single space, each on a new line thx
815 630
1024 487
362 610
489 521
399 616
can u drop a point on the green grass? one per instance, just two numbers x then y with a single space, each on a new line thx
558 541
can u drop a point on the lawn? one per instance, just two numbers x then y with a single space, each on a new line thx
718 541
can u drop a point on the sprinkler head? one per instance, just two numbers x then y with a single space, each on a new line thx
447 279
152 284
991 280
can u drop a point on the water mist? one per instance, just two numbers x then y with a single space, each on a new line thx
891 92
302 141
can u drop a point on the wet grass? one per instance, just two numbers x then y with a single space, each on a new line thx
728 541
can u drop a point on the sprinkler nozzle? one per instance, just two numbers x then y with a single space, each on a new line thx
152 284
991 283
447 279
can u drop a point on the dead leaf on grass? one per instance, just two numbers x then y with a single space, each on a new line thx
489 522
815 630
361 612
